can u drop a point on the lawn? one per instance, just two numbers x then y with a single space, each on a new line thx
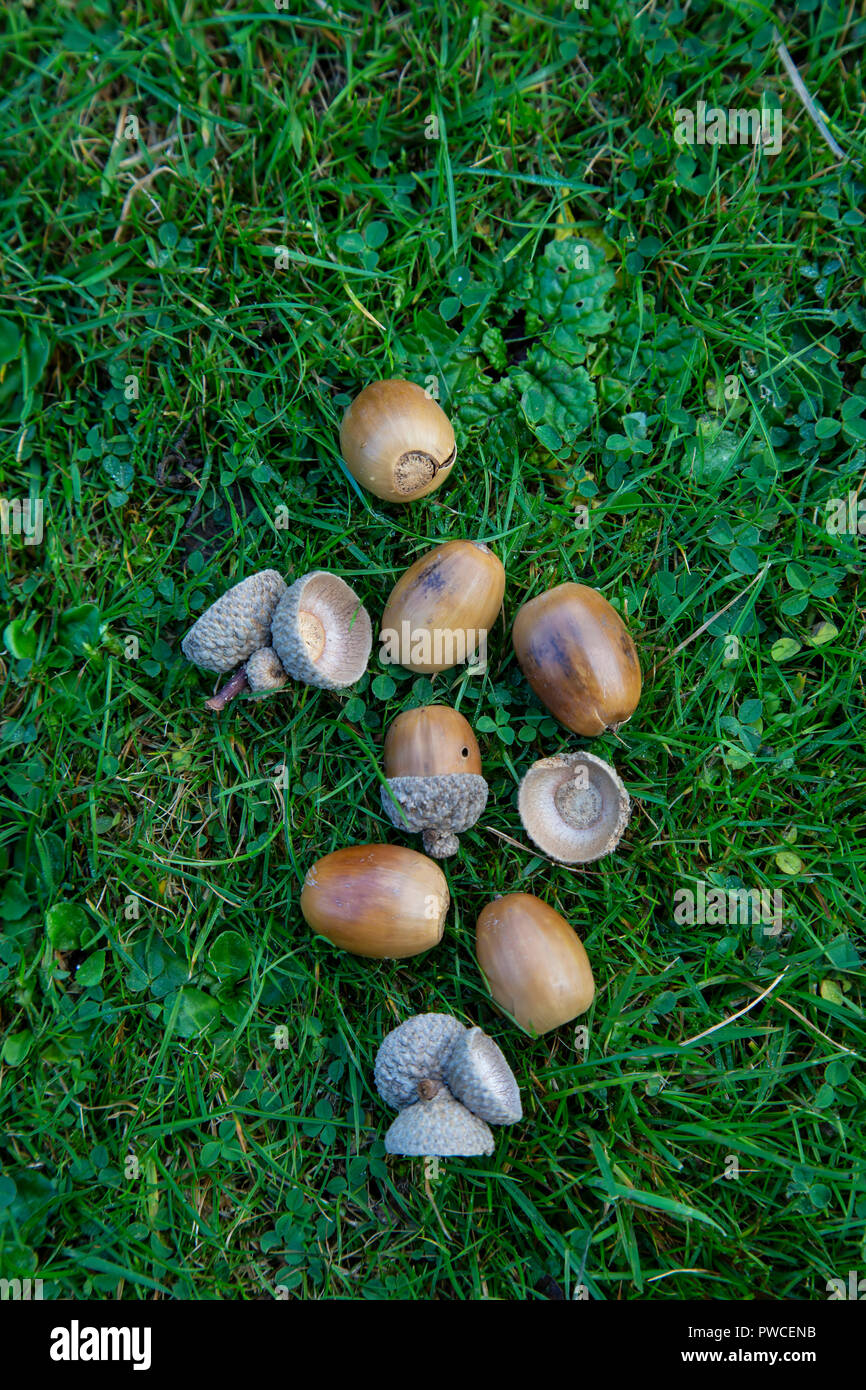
218 222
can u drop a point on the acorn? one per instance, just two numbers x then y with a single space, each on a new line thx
579 658
574 807
534 963
321 632
376 900
441 610
433 766
397 442
449 1084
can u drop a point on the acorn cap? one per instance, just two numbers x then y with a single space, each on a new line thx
236 625
413 1053
438 806
439 1126
574 807
477 1074
321 631
265 670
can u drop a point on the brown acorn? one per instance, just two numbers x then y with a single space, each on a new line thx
377 900
534 963
396 441
579 658
433 765
441 610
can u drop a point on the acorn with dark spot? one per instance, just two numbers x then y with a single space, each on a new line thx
435 784
578 656
441 610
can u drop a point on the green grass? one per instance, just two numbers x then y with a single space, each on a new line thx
161 1135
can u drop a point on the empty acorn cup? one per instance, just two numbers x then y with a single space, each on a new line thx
317 631
321 631
574 807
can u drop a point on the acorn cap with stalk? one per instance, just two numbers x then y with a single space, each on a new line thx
574 807
236 625
448 1082
413 1053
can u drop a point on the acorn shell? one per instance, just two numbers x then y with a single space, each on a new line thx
429 742
574 807
440 611
236 625
439 1126
579 658
534 963
321 631
396 441
382 901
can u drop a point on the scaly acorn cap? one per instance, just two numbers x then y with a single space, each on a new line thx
437 806
574 807
265 670
440 1126
412 1054
321 631
236 625
477 1074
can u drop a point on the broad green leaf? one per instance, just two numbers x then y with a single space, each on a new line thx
90 971
19 639
832 992
376 234
64 924
566 305
10 341
197 1013
784 649
711 458
555 394
822 633
843 954
649 346
78 628
744 559
383 687
750 710
119 471
230 956
16 1047
826 428
797 576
